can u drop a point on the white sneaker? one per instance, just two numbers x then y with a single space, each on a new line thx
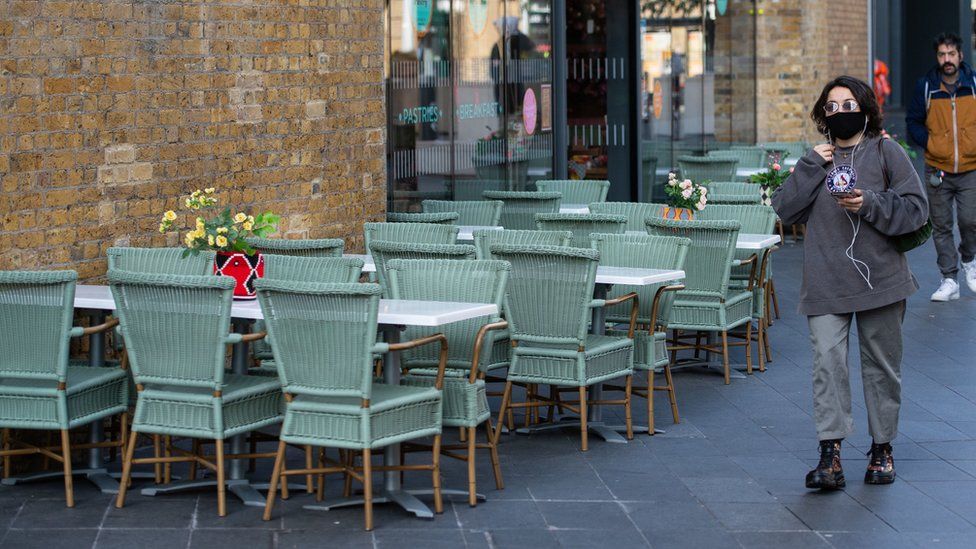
947 291
970 269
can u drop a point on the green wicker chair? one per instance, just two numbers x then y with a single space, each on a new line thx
636 212
484 239
731 187
473 189
160 261
708 304
758 220
520 207
412 233
581 225
795 149
478 213
548 307
319 247
40 389
469 346
324 338
176 330
441 218
706 168
383 251
748 156
650 344
576 191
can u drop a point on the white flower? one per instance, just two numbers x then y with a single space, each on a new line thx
704 191
700 206
672 180
686 193
686 184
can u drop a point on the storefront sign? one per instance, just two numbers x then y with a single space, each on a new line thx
477 15
545 101
529 111
466 111
424 114
422 10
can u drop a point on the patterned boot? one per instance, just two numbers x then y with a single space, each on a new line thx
881 468
828 475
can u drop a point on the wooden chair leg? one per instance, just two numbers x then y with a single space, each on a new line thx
168 452
725 356
252 463
769 352
6 448
472 491
493 448
761 343
309 479
462 434
349 461
320 490
698 338
368 487
772 297
749 347
126 470
69 488
584 433
436 451
195 448
221 488
157 452
279 466
671 393
627 416
506 396
650 401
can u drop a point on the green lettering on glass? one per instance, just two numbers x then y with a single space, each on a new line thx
467 111
424 114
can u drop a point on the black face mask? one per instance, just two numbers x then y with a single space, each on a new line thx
845 125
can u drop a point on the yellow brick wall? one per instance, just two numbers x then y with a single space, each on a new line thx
111 110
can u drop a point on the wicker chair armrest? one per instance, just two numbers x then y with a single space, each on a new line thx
441 363
634 308
657 303
247 338
753 260
103 327
479 343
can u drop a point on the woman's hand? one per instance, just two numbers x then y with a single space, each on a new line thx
854 203
826 151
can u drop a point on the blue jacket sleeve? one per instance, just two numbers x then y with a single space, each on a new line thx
915 115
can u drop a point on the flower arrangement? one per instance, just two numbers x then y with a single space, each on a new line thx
685 194
223 233
774 175
904 144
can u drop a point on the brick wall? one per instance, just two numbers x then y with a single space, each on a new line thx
110 111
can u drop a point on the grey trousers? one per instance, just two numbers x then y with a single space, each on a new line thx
955 194
879 334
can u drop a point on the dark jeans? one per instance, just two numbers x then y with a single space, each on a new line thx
956 194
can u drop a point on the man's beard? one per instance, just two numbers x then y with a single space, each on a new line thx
949 68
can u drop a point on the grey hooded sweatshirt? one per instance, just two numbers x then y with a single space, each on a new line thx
831 283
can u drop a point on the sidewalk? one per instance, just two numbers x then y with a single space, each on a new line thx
730 475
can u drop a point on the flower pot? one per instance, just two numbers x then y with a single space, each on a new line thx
243 268
765 194
682 214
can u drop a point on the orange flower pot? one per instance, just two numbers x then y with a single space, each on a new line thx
682 214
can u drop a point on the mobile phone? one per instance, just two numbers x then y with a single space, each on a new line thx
848 194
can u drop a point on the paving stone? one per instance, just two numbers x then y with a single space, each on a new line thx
156 538
54 539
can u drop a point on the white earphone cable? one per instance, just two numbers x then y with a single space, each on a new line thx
849 252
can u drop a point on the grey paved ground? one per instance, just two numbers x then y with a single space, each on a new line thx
730 475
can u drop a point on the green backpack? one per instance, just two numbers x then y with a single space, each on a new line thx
908 241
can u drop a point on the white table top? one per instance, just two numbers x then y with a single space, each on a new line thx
636 277
466 232
746 241
401 312
574 209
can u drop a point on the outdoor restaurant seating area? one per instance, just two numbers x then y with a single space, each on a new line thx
462 326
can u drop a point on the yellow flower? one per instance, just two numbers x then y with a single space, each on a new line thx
221 230
162 227
210 240
189 203
196 193
200 223
247 225
190 237
250 219
209 190
170 216
240 218
198 233
221 241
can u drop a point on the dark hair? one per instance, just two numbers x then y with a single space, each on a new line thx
947 39
864 96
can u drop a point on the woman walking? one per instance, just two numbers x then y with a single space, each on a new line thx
854 193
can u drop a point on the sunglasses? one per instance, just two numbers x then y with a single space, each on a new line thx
848 105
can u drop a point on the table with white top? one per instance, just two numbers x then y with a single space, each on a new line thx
574 209
745 241
392 316
606 277
466 232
